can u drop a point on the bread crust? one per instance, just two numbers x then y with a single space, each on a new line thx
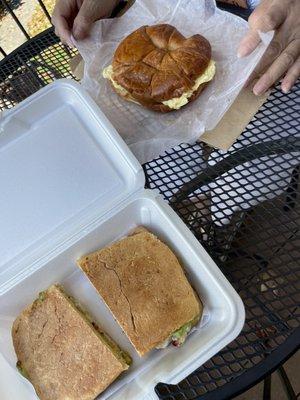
145 287
157 63
60 352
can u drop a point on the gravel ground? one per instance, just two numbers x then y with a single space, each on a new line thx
10 35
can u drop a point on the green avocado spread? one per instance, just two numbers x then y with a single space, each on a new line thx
117 351
21 369
178 337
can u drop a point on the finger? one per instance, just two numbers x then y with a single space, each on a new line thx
62 19
265 18
273 51
89 12
278 68
291 77
83 21
248 43
62 29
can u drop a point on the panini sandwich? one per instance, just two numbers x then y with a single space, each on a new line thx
62 352
143 284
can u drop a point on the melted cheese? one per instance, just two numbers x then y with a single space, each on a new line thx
181 101
175 103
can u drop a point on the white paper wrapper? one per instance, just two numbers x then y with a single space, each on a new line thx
150 134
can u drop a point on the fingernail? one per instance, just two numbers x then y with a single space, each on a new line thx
259 89
258 92
240 53
243 52
285 89
80 32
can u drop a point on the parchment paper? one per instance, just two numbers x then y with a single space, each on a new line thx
150 134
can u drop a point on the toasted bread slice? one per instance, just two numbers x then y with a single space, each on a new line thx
62 352
143 284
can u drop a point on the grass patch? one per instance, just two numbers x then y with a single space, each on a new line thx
39 22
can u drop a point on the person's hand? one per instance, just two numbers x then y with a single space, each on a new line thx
282 58
75 17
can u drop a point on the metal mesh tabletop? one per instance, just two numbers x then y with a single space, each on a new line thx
257 248
243 205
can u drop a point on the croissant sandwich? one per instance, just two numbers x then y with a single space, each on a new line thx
158 68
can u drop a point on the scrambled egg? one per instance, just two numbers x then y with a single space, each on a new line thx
175 103
181 101
107 74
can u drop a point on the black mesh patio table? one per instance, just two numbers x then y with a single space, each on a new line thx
257 247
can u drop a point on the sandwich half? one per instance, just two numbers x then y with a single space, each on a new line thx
143 284
158 68
62 351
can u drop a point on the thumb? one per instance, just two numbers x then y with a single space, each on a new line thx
264 18
86 16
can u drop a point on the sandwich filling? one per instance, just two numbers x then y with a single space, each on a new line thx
108 74
181 101
115 349
178 337
22 370
175 103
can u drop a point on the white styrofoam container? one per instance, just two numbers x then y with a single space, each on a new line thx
70 186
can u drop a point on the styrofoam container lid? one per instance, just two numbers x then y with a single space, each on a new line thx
54 174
